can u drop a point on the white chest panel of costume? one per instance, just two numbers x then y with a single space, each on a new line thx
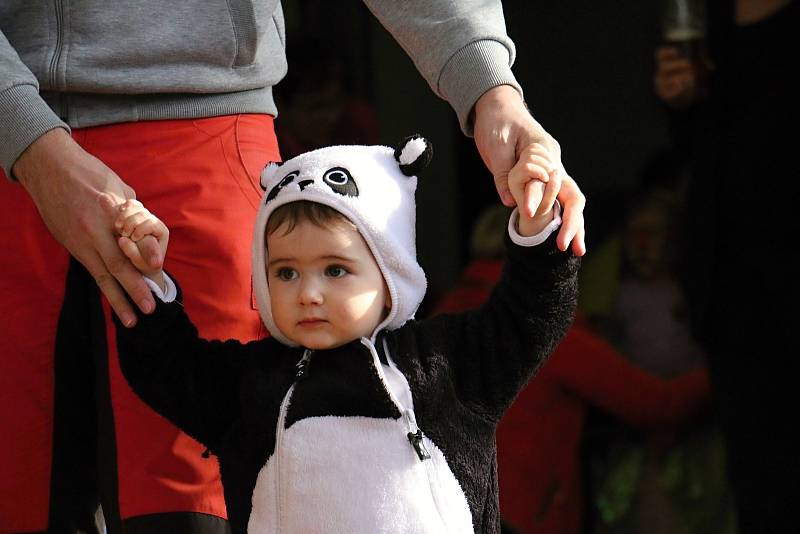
356 475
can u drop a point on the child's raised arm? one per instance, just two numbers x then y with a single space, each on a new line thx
535 172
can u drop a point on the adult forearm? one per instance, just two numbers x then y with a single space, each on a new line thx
460 47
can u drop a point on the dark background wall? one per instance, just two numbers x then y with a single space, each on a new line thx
586 67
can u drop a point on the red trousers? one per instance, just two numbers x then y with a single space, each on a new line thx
71 427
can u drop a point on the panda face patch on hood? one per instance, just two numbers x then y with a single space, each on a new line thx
374 187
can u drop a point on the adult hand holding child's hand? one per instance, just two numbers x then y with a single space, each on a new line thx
64 181
143 238
503 129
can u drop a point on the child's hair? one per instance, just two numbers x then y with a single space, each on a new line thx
303 210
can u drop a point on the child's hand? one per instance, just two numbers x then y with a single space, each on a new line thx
136 226
534 182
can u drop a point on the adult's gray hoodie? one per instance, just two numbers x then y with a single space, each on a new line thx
79 63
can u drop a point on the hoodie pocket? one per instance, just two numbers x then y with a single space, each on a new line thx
243 20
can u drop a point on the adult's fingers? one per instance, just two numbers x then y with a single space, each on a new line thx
503 191
119 272
579 242
110 288
129 248
572 222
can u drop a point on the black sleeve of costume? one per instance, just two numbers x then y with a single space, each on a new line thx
490 353
192 382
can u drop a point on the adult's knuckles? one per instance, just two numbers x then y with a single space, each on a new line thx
116 265
105 281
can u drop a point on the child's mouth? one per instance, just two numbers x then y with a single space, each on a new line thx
312 321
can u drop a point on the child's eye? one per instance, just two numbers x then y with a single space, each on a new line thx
335 271
286 274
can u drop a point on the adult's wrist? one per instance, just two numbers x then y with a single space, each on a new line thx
473 71
498 96
29 166
25 117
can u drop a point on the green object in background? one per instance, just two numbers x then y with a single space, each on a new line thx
692 475
618 480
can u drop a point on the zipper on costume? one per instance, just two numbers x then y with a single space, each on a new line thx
300 374
414 435
278 451
54 61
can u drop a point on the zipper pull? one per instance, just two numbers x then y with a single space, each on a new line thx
301 367
415 438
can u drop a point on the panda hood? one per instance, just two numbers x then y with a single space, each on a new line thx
372 186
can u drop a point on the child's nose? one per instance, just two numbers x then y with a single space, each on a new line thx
310 292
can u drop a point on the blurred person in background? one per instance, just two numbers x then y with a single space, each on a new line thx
538 441
666 482
742 282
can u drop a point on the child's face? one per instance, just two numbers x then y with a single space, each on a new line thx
325 287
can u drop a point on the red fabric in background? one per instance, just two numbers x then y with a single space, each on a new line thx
34 269
539 437
201 177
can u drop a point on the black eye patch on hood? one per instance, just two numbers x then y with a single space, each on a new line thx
340 181
289 178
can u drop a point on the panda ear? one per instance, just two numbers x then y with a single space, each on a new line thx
268 173
413 154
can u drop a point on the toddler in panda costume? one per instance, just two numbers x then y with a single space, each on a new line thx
353 417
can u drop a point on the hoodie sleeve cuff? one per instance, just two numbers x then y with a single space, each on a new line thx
473 70
165 296
26 117
533 240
